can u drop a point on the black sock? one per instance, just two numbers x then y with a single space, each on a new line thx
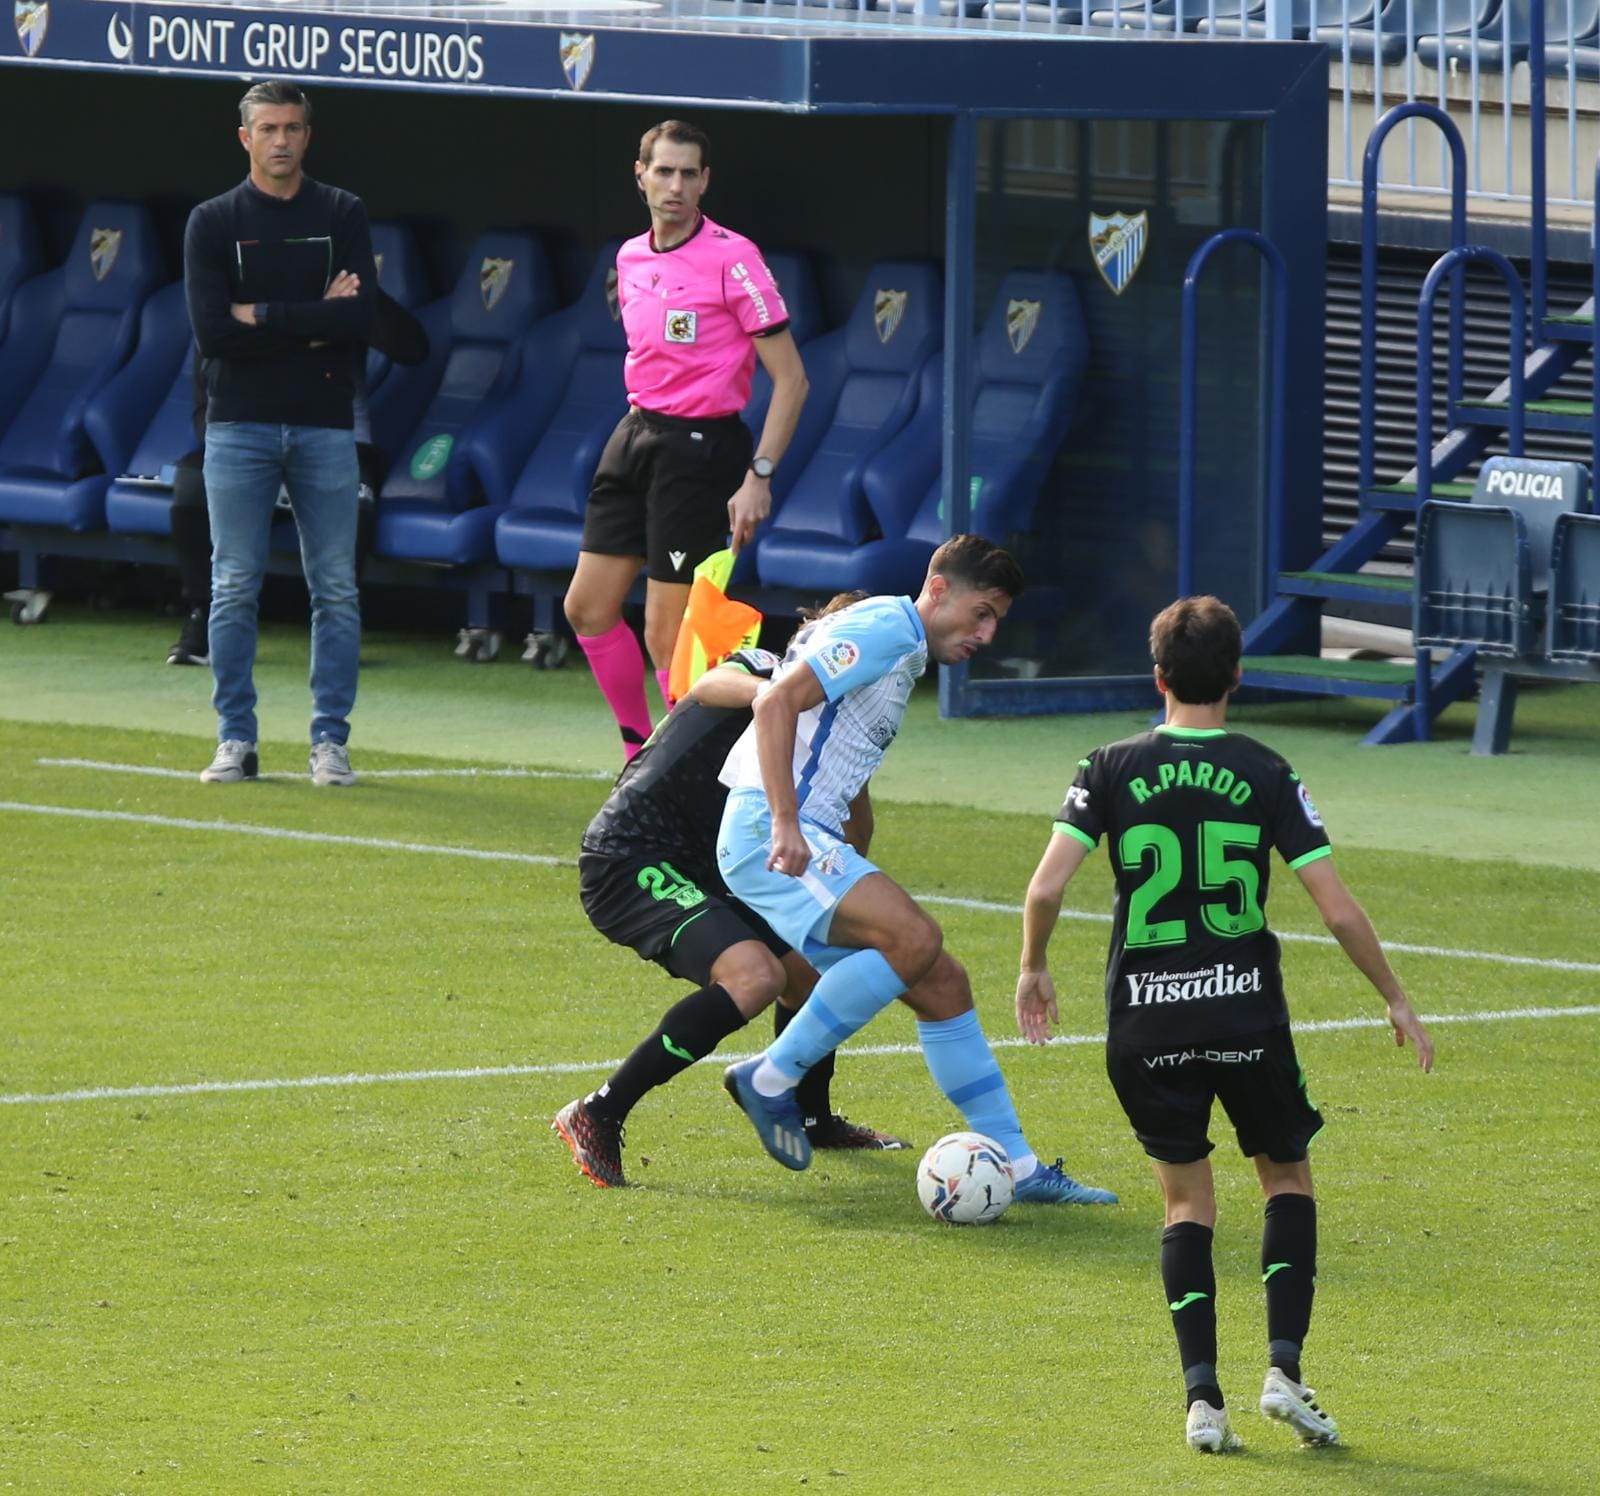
1191 1284
1289 1269
689 1031
812 1094
191 539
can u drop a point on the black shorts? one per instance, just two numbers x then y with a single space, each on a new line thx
662 490
667 914
1257 1078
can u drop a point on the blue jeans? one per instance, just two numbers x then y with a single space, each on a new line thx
245 463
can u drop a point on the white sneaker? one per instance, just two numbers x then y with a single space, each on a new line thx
1209 1430
330 763
235 760
1289 1402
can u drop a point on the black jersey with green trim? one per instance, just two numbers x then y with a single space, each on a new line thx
668 797
1191 817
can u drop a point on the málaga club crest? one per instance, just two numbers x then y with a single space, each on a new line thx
103 247
1022 319
494 275
32 18
1117 244
577 57
888 308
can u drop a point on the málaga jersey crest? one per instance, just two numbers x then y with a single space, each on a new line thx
33 20
103 247
1022 320
1117 243
888 310
577 57
494 276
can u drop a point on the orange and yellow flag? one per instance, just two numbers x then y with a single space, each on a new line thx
714 625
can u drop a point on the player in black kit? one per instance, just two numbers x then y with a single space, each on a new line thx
1194 997
648 880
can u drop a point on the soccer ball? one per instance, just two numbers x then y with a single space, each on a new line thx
965 1179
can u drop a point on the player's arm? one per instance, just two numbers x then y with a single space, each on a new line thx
345 317
777 716
859 825
781 359
1036 991
730 686
208 291
1347 922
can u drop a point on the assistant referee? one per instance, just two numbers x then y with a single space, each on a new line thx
699 306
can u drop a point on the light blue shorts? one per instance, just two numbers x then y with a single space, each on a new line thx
799 909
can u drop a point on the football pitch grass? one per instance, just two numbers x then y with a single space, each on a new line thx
280 1209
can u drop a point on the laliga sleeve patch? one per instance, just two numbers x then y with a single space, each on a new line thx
834 659
1307 806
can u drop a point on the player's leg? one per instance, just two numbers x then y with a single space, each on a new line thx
1170 1109
963 1066
1265 1096
825 1127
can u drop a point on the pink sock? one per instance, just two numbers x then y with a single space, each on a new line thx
618 666
662 677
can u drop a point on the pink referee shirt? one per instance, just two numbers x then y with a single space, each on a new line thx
690 313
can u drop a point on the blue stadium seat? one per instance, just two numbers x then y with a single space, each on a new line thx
1030 359
426 511
1574 610
538 451
1304 16
404 276
139 502
21 255
867 387
71 330
1579 40
1502 33
1483 567
1376 35
1163 15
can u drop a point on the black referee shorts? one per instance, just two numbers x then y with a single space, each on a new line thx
1257 1078
680 918
662 490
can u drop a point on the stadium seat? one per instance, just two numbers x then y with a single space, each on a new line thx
428 508
139 501
1483 567
404 276
1173 15
1577 41
1029 363
896 326
1502 39
71 330
536 453
1375 35
21 255
1574 609
1304 15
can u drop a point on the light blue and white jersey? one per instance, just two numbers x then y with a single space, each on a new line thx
867 658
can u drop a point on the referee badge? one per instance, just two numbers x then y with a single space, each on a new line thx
577 57
1117 244
680 327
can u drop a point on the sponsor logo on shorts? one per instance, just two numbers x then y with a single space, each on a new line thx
831 863
680 327
1214 1056
834 659
677 558
1222 980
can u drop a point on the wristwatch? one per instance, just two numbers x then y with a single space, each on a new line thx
763 467
261 314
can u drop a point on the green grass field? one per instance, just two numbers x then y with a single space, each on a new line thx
280 1210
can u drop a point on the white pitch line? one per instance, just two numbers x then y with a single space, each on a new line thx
279 833
151 772
580 1067
982 906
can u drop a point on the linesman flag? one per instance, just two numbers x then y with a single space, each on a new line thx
714 625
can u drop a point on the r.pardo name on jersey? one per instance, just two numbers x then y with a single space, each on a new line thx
1221 980
1518 483
308 48
1201 775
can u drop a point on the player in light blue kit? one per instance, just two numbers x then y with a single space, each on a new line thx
820 730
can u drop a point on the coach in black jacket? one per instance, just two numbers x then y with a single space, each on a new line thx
280 283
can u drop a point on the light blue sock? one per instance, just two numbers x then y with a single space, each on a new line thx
850 994
963 1067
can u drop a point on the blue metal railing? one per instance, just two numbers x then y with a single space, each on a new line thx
1369 273
1449 264
1188 387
